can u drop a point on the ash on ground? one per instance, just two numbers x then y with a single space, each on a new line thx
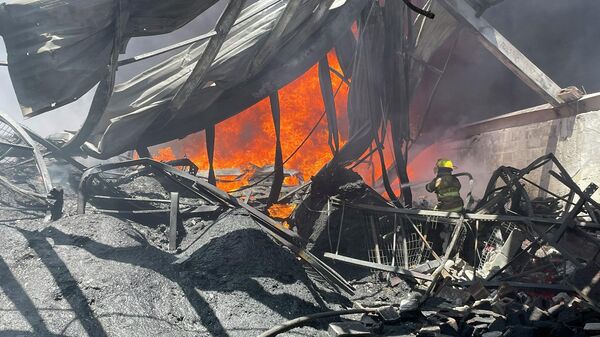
98 275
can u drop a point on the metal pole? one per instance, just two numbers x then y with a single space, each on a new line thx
174 218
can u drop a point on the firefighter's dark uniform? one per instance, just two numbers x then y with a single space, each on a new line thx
447 188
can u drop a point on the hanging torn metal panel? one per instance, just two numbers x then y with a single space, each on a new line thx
53 61
59 50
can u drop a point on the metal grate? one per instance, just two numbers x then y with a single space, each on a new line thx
17 168
391 247
494 243
417 251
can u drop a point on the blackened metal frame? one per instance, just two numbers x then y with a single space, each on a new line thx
215 196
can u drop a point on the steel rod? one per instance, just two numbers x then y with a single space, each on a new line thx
173 220
166 49
378 266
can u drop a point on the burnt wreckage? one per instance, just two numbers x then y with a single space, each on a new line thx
523 258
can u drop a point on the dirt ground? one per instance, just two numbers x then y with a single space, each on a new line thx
96 275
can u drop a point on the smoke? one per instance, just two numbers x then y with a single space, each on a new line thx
560 37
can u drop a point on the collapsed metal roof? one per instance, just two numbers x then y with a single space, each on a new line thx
254 51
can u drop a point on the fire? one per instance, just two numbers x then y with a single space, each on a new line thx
247 140
164 154
234 182
291 181
281 211
249 137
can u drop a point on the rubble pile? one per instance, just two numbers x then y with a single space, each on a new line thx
97 275
141 247
506 311
519 271
319 221
510 266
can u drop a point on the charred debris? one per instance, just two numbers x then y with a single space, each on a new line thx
511 263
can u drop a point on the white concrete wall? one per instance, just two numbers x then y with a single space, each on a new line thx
575 141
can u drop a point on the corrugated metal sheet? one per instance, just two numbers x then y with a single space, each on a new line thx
53 61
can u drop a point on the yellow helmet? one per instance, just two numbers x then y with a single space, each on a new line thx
445 163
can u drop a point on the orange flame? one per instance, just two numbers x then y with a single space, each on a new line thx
164 154
249 137
281 211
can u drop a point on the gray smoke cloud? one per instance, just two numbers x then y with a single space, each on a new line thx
559 36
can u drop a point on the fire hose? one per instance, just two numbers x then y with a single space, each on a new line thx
300 321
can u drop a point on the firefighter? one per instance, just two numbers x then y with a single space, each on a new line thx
446 187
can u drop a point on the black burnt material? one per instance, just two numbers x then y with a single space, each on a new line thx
319 223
